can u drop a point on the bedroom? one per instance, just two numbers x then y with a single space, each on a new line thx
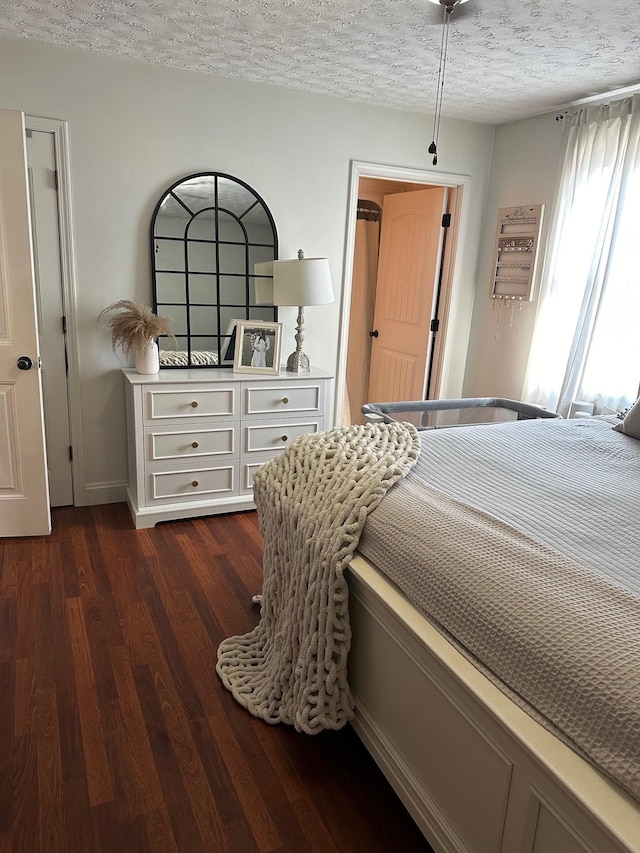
127 143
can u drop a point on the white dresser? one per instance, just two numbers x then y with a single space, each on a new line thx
196 437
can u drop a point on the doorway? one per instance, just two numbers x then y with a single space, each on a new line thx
49 188
401 369
50 314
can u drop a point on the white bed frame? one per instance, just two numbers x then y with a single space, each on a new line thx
474 770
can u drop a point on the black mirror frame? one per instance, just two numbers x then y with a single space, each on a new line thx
225 343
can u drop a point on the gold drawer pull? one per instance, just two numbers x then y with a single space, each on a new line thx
285 400
285 438
194 405
194 444
195 483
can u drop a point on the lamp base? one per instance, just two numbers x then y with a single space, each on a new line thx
298 362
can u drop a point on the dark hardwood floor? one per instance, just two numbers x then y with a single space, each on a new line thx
115 731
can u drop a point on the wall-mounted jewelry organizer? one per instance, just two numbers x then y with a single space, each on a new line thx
516 252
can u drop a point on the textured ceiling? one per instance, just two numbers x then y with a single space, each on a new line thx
507 58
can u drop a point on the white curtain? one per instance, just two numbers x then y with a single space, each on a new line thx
586 341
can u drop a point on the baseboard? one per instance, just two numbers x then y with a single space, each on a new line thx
102 493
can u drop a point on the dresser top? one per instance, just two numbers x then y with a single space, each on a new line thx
217 374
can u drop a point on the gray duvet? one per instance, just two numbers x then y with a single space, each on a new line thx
521 541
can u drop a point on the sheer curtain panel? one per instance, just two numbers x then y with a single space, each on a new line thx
585 344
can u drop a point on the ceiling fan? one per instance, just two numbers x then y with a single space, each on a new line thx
449 8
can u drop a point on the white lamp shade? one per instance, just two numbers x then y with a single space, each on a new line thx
305 281
264 286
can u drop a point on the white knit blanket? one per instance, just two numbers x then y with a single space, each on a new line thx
312 502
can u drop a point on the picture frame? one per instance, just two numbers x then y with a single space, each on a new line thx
257 347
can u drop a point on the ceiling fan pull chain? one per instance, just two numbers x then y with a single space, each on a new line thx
433 148
447 8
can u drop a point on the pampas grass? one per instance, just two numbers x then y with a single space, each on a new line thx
133 325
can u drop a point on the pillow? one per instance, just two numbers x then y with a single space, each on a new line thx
631 423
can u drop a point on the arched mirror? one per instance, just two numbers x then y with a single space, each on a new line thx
207 233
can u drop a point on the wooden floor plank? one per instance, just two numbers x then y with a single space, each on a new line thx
46 729
116 734
16 558
77 814
207 739
26 613
249 790
7 744
25 817
39 560
91 725
160 833
143 777
117 833
8 628
194 778
176 797
25 680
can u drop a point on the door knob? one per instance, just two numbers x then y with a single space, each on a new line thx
24 363
373 334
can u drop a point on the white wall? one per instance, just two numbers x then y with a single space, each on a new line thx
527 159
135 129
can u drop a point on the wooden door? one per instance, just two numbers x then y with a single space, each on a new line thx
408 271
24 495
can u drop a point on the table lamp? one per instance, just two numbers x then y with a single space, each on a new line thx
300 281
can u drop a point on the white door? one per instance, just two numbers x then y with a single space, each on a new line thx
24 494
408 270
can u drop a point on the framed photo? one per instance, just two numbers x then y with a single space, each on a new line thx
257 348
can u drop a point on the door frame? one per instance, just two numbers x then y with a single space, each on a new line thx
451 261
60 131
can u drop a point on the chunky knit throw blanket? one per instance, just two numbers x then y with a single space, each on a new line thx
312 502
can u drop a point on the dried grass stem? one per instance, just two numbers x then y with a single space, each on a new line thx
132 326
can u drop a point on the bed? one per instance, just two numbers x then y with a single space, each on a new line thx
506 722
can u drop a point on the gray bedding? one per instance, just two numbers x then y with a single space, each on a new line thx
521 542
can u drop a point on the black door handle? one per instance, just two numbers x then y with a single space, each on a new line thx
373 334
24 363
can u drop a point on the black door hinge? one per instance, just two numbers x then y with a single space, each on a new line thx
446 220
435 324
64 325
70 453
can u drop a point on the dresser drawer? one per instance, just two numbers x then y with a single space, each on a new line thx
196 401
164 443
192 484
270 436
282 398
248 468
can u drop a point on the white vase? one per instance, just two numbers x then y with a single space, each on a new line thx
147 360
